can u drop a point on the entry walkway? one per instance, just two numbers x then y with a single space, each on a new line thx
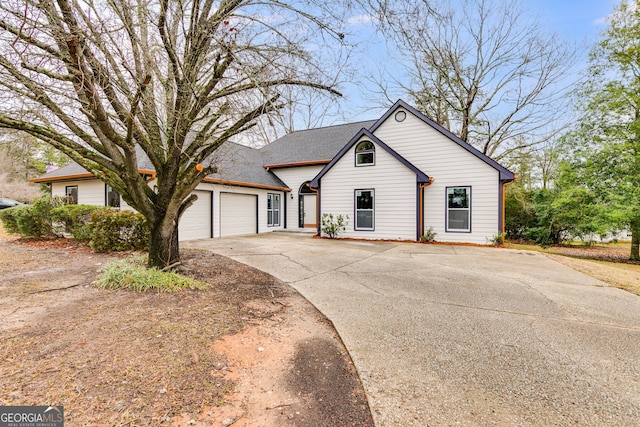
453 335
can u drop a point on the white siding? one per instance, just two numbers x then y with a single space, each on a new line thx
450 166
196 222
218 189
395 195
294 177
90 191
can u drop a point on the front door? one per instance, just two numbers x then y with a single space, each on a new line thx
306 206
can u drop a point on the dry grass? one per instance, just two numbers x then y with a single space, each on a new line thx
606 262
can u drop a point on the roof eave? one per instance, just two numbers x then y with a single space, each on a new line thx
505 174
45 178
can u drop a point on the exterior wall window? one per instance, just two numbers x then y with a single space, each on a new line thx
365 154
365 211
112 198
458 208
71 191
273 209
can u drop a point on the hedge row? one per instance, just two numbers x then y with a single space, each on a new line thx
105 229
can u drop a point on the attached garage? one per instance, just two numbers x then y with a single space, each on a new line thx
197 221
238 214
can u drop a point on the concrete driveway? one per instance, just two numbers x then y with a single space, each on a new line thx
454 335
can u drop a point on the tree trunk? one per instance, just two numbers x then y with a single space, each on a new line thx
164 250
635 240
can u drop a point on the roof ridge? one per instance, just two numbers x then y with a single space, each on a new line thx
332 126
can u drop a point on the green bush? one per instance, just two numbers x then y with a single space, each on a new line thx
333 226
75 220
9 219
429 235
133 275
32 220
115 230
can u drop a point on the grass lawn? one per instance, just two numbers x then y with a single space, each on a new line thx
607 262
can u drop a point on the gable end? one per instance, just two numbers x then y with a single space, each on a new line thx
505 174
421 177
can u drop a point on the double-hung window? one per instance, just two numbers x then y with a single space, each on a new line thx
273 209
459 209
365 209
71 191
112 197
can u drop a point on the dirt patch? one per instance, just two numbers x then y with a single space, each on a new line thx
249 351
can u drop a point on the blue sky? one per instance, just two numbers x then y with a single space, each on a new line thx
578 21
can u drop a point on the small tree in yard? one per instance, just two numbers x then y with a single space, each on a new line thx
332 226
101 81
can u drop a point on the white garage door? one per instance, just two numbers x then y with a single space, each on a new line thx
238 214
196 222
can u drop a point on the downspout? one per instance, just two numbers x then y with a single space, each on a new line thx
421 206
504 186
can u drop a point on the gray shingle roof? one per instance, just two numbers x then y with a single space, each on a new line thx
235 162
241 164
238 163
311 145
70 170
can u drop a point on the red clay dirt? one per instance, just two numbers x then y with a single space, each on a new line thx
250 351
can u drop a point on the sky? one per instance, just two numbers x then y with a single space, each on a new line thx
578 21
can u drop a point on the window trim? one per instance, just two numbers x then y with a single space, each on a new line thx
447 209
372 210
67 195
106 196
371 151
274 208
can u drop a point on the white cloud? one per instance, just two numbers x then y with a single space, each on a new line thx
361 19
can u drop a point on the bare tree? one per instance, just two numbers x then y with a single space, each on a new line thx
100 80
483 69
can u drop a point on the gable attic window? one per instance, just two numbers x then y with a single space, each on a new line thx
365 154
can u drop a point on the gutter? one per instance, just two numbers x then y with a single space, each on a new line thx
421 206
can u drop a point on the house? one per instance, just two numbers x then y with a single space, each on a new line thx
394 177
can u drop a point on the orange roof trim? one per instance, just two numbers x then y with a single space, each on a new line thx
85 175
62 177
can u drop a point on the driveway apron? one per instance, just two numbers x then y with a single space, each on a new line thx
456 335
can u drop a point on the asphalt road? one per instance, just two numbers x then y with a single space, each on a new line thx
455 335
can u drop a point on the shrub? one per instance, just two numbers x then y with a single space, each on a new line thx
115 230
429 235
497 239
133 275
333 226
75 220
9 219
32 220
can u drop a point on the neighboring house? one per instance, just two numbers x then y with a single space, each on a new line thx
394 177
